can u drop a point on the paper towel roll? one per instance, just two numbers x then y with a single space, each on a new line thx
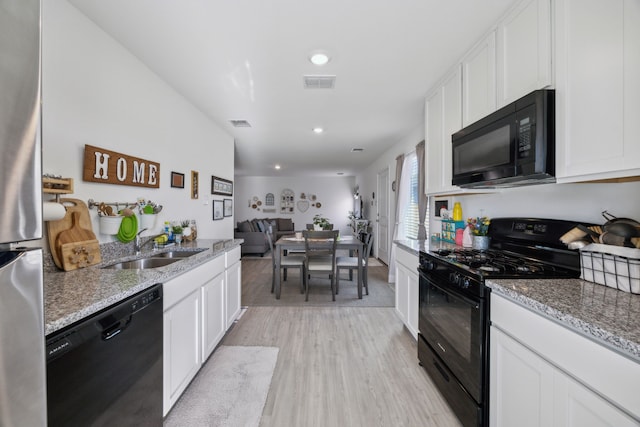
52 211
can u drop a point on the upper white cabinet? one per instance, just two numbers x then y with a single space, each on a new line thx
479 80
524 50
598 89
443 117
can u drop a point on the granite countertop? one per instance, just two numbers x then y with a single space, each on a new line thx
605 315
73 295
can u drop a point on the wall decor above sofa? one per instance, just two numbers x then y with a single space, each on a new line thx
287 201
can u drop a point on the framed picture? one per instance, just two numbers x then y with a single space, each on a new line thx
177 180
194 184
218 210
221 186
228 207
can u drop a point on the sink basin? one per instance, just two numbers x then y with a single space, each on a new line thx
141 264
176 254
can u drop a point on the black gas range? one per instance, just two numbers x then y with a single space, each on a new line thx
453 343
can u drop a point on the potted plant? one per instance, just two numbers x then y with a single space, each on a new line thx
177 233
320 223
479 228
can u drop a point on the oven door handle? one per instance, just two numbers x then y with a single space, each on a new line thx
463 298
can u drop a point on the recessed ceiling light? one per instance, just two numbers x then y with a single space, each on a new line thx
340 173
318 130
319 58
277 167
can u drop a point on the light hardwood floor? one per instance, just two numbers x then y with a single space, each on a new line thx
341 366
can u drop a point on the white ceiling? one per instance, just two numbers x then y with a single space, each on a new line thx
245 59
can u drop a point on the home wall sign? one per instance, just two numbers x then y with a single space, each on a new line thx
110 167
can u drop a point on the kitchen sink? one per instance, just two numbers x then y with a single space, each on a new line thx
144 263
176 254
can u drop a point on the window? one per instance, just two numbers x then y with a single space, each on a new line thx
410 208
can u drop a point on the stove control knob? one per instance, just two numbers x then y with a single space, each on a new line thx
429 265
464 282
453 277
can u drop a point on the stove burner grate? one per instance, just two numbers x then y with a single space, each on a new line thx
497 262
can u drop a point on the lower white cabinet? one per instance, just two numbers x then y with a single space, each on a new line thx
213 315
199 306
233 286
542 374
181 342
407 289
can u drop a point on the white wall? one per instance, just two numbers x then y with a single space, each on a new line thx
334 194
95 92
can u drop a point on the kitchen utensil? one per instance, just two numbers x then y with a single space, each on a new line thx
77 247
595 236
573 235
128 229
80 254
615 220
76 233
54 228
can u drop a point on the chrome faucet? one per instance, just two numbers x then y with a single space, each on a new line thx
136 243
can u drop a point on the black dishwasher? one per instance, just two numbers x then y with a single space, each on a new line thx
106 370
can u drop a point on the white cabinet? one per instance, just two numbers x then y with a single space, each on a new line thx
194 323
233 286
479 80
181 343
407 286
598 90
443 117
542 374
213 314
524 50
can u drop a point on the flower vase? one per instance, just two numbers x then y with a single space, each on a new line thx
317 227
481 242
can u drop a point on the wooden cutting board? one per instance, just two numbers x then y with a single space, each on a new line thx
81 254
54 228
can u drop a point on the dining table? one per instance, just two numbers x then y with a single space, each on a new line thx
293 243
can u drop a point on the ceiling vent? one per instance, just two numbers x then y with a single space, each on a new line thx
357 150
240 123
319 82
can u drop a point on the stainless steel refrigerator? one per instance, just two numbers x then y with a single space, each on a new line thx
22 357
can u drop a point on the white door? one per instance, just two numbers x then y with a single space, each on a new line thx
382 216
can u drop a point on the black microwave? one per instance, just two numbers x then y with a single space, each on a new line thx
512 146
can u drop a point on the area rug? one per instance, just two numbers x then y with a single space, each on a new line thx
230 390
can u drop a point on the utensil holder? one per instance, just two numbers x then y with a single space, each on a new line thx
147 221
110 224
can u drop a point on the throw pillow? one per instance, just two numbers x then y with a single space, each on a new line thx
244 227
285 224
260 226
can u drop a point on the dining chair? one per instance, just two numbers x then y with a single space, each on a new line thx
351 263
286 262
320 257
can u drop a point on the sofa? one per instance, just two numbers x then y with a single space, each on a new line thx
253 232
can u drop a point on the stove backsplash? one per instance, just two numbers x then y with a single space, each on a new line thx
573 202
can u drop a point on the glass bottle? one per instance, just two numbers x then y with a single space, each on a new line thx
457 211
